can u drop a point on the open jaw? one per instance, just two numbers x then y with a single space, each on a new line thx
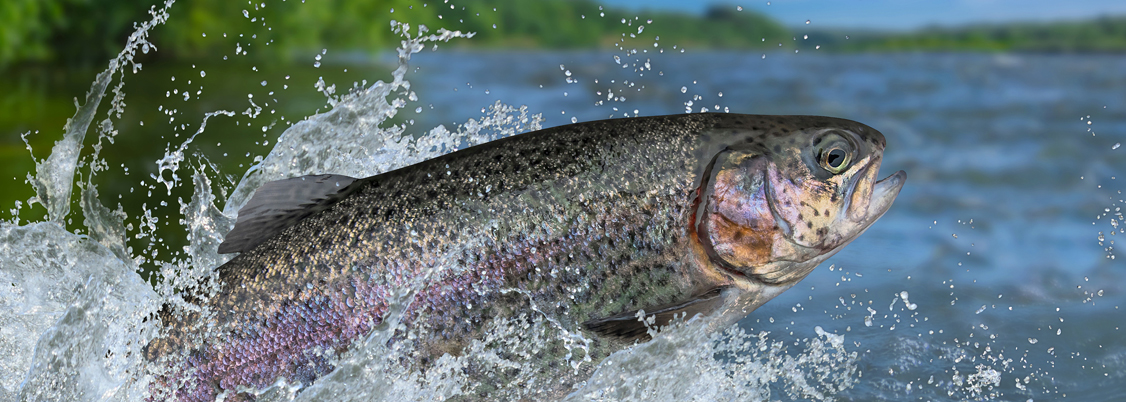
883 194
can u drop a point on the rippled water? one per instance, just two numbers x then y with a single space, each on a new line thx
992 277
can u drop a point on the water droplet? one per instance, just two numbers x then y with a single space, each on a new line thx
683 90
202 73
807 22
145 48
1116 145
738 8
263 83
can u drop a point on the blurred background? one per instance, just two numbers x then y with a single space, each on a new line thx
1007 115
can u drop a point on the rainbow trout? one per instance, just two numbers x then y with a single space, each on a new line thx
606 230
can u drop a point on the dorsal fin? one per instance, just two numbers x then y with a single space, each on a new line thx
281 204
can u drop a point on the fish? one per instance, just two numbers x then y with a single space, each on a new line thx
605 230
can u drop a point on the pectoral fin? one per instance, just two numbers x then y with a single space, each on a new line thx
628 326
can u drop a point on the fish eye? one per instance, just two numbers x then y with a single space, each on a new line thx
835 158
834 154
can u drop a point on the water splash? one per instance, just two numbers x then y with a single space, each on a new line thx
74 308
690 363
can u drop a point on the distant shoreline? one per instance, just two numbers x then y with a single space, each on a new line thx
1099 35
197 30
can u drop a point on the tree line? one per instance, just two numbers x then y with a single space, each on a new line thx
1102 34
90 31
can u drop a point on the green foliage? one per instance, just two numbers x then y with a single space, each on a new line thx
581 23
25 26
41 30
719 27
1105 34
90 31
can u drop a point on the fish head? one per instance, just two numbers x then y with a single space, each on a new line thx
771 208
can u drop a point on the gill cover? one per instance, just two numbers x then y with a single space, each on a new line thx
733 217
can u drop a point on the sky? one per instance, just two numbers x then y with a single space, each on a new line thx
896 14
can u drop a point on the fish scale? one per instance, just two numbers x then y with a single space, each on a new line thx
578 225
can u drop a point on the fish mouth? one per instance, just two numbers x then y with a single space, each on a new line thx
883 194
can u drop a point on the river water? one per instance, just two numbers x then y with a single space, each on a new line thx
994 276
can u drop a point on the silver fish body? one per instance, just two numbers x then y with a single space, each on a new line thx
583 225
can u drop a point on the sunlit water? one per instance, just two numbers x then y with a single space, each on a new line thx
992 277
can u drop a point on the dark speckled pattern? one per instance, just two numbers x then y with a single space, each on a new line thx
586 221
